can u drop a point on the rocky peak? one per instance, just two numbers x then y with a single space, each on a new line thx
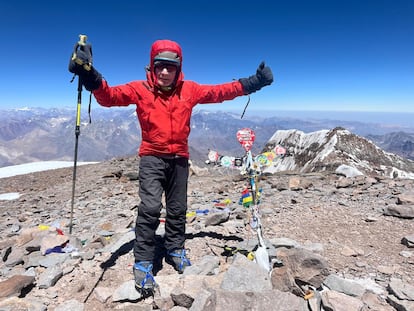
326 150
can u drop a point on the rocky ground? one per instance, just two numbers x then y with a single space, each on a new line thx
358 229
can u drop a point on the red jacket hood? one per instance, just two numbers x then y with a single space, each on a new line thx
160 46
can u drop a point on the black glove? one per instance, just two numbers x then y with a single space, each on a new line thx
263 77
80 64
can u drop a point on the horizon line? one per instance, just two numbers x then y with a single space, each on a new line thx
218 109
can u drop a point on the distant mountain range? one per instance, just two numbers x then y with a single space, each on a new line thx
36 134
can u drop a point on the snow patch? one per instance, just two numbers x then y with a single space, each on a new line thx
9 171
348 171
9 196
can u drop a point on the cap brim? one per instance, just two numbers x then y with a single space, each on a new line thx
166 60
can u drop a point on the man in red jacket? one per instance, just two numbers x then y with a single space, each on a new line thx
164 103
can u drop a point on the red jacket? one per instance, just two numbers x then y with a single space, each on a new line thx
165 118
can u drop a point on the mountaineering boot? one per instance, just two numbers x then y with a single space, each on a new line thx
144 280
178 259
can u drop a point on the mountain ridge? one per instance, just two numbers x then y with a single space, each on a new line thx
327 150
29 135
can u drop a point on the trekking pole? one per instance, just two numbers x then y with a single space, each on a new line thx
75 159
88 50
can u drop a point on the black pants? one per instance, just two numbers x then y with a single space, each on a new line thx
156 176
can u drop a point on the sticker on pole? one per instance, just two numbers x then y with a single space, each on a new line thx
246 138
226 161
279 150
213 156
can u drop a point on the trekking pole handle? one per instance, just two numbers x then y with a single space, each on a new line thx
86 48
82 39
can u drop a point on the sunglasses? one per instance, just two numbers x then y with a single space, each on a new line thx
166 65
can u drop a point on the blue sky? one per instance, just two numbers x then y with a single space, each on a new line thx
325 55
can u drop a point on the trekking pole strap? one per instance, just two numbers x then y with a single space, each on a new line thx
245 107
